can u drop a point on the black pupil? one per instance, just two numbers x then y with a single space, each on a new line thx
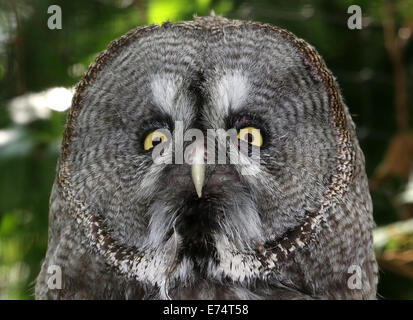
249 137
156 141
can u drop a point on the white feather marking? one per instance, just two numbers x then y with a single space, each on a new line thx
231 91
168 94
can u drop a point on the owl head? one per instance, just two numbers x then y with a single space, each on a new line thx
213 149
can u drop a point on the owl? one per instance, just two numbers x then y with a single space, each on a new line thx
209 159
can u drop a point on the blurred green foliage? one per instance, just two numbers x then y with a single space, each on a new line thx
34 58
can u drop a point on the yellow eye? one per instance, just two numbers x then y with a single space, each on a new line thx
154 138
251 135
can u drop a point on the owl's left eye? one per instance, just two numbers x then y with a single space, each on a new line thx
251 135
154 138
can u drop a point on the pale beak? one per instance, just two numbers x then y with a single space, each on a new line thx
198 177
198 170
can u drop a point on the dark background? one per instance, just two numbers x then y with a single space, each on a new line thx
373 67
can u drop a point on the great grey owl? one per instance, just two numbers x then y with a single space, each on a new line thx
293 221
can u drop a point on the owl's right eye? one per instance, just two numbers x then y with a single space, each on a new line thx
154 138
